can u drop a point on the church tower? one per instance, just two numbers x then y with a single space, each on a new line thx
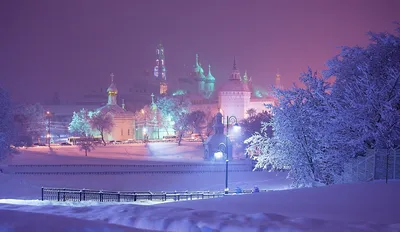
209 82
199 76
112 92
234 96
278 81
160 72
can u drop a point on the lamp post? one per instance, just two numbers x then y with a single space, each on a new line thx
229 120
223 148
48 115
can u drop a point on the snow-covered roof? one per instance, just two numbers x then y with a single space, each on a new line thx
115 110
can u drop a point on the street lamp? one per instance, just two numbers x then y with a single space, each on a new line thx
229 120
222 149
48 115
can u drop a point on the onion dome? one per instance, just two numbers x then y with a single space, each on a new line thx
210 77
113 88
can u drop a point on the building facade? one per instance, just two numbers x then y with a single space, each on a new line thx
123 128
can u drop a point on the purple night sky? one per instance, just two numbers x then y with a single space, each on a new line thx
68 46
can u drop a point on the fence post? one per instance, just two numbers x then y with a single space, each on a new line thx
58 195
101 196
84 194
42 194
119 196
80 195
64 194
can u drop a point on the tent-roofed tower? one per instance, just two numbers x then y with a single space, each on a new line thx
278 84
160 71
234 95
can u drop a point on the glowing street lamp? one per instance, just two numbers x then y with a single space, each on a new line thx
229 120
222 149
48 115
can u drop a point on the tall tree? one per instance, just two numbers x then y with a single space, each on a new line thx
30 122
6 125
177 109
304 134
250 126
197 121
210 119
251 112
367 90
319 128
102 122
80 124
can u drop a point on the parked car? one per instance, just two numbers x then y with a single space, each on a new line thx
170 138
39 144
65 144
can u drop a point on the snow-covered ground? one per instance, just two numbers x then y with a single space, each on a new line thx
356 207
112 154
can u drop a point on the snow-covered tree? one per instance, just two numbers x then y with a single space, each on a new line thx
176 108
6 125
30 122
250 125
86 144
197 121
319 128
210 119
102 122
367 91
251 112
80 124
304 134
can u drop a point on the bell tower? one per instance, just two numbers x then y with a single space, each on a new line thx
160 71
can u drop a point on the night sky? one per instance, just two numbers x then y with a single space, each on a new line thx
72 46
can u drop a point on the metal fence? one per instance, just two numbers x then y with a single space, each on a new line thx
65 194
377 164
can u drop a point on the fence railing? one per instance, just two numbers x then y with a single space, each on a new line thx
65 194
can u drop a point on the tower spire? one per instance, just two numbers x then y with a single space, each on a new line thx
278 80
112 92
234 62
197 60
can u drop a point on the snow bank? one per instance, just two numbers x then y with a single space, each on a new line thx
362 202
184 219
18 221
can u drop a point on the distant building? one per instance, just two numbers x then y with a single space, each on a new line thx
123 120
234 97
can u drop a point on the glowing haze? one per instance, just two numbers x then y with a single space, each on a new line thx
72 46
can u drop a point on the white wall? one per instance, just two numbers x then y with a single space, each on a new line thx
234 103
122 130
258 104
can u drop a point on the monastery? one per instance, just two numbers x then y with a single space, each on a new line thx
234 97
